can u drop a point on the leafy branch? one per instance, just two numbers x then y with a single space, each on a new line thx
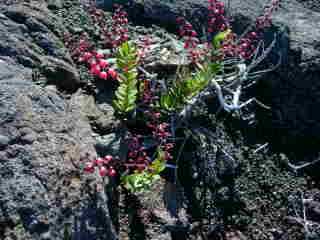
126 94
184 90
142 181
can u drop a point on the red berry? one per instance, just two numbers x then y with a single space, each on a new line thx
111 172
103 63
112 73
99 55
193 33
103 171
125 37
89 167
103 75
253 34
99 161
87 55
188 26
92 63
108 159
95 70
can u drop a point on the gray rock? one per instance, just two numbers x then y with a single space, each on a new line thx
99 112
30 35
4 141
108 144
55 4
47 140
60 73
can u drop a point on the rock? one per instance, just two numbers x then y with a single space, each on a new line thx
99 113
55 4
108 144
4 141
44 140
29 31
165 13
60 73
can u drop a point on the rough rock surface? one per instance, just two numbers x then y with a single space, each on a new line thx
44 136
31 35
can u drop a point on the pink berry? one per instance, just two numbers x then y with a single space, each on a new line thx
112 73
103 171
95 70
99 55
193 33
99 161
87 55
108 159
93 63
125 37
103 63
253 34
89 167
188 26
111 172
103 75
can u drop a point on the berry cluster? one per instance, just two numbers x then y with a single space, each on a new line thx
105 166
160 132
191 41
138 158
247 44
147 95
265 20
99 66
114 34
138 155
118 33
144 48
217 21
77 45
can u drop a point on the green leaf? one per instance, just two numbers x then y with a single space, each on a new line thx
143 181
220 37
184 90
159 164
126 94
